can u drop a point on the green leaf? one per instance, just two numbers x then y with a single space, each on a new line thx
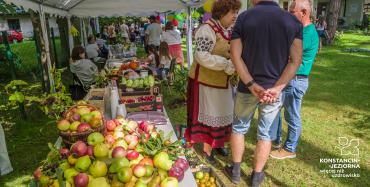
17 96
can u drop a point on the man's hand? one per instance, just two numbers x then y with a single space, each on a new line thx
271 95
258 91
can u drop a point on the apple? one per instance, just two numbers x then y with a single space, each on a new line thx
170 182
118 129
176 172
64 153
82 111
182 163
132 155
86 118
90 151
81 180
95 123
124 174
79 148
69 174
121 143
75 117
45 181
119 152
131 138
149 170
162 161
37 173
162 173
110 125
74 125
99 182
118 134
63 125
145 137
72 160
136 161
117 164
154 134
101 150
83 127
131 126
139 170
96 114
109 139
140 184
98 169
95 138
146 161
116 183
83 163
121 121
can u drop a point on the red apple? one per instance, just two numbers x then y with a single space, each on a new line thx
37 173
139 170
64 153
90 151
75 117
81 180
109 139
79 148
83 127
110 125
131 138
146 161
177 173
181 163
149 128
63 125
132 155
119 152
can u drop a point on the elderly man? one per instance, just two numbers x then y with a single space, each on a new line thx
294 92
263 39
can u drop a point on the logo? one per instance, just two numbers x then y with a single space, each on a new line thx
348 147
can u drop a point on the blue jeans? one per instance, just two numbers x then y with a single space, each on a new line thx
292 100
245 106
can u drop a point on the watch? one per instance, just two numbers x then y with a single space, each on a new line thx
250 83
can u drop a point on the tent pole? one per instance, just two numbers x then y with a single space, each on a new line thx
81 33
97 25
70 37
46 43
189 40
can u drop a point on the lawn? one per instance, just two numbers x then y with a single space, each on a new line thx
337 104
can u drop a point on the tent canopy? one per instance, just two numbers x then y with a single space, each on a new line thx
109 8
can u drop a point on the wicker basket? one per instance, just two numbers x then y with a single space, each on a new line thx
70 138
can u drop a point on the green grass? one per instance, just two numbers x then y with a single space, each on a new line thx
337 104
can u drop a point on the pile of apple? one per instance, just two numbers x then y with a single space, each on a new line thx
116 159
81 118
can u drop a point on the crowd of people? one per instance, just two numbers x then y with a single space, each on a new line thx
272 51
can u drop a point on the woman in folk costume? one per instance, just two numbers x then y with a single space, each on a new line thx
210 99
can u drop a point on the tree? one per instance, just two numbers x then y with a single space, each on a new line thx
332 18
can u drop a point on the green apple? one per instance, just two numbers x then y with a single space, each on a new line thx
45 181
74 125
69 174
124 174
83 163
95 138
99 182
98 169
140 184
149 170
63 125
121 143
162 161
101 150
170 182
86 118
82 110
117 164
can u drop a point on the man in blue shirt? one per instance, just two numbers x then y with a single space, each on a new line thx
294 92
264 38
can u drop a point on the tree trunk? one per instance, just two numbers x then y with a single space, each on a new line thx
36 23
63 32
332 18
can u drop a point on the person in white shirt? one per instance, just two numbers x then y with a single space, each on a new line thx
124 32
153 32
92 50
173 39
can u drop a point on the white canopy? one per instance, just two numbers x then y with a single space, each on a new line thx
109 8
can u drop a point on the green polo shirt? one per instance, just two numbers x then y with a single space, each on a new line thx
310 48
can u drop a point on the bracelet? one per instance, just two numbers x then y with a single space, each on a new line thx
250 83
